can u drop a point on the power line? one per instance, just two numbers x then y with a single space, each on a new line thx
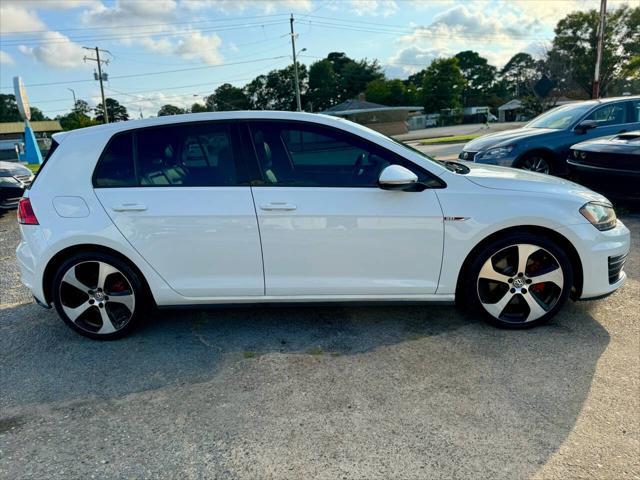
148 34
115 27
162 72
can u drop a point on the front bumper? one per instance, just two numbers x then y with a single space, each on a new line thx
598 253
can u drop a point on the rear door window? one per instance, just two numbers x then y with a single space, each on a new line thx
186 155
612 114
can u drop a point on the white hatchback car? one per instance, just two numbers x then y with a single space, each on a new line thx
263 207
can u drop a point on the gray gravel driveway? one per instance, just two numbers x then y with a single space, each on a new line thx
348 393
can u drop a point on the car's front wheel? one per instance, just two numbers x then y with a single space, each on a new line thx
98 295
519 281
536 162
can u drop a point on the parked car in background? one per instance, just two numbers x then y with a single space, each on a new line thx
267 207
14 179
542 145
610 164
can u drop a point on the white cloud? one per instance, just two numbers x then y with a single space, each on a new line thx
56 50
238 6
203 47
6 58
129 12
383 8
497 34
15 18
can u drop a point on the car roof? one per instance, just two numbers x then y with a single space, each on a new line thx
112 128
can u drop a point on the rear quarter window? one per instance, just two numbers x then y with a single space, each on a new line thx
115 167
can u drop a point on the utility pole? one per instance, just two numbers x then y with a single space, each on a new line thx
100 77
295 66
596 77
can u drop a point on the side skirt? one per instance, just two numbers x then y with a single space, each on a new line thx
314 300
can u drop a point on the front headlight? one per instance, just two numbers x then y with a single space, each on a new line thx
498 152
601 215
9 182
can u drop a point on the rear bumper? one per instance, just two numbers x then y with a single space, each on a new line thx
598 252
28 275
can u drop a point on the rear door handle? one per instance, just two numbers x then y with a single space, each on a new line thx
129 207
278 206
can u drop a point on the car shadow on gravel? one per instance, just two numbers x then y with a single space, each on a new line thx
43 361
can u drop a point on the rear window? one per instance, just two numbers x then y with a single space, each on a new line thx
190 155
115 168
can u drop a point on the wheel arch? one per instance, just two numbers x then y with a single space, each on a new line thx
64 254
565 244
546 152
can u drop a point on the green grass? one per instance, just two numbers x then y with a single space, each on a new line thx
315 351
450 139
249 354
33 168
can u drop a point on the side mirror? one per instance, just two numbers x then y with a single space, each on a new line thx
396 177
586 125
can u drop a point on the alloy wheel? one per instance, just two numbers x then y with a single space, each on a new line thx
536 164
520 283
97 297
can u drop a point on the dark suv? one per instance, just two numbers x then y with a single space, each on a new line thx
542 145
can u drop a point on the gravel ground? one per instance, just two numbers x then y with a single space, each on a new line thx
353 393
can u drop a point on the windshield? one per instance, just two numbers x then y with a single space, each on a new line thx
560 118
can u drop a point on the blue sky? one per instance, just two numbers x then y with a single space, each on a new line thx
177 51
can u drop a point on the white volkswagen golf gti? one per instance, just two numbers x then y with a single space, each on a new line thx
265 207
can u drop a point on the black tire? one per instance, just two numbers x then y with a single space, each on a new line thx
473 287
90 328
533 162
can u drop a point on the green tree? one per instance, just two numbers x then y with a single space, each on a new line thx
228 97
37 115
78 117
9 110
397 93
352 76
479 76
574 48
256 92
276 90
323 85
519 73
82 106
198 108
116 112
170 110
378 91
442 85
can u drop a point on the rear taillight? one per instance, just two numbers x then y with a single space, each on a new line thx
25 213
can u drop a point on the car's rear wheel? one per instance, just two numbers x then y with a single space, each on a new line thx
98 295
536 162
519 281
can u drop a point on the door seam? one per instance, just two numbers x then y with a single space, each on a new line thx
264 277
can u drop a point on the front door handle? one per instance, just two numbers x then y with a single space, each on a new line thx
129 207
278 206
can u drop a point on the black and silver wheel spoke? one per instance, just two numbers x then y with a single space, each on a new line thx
520 283
97 297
